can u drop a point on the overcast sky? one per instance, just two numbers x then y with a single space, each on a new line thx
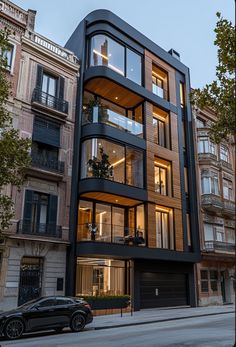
185 25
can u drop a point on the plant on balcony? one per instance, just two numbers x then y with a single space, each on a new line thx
100 168
103 302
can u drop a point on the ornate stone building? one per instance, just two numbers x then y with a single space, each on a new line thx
44 83
215 174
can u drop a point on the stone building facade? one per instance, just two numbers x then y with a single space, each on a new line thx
43 76
215 166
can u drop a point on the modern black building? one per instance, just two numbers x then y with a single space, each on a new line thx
133 217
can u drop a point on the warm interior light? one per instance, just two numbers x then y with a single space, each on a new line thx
118 162
156 74
160 164
159 117
162 209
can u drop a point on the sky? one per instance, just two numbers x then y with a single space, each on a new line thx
187 26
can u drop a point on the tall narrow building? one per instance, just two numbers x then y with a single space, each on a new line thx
134 219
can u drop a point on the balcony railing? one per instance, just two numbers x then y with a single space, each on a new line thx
211 202
207 156
229 207
161 92
47 164
100 114
13 11
39 229
102 232
214 246
225 164
49 101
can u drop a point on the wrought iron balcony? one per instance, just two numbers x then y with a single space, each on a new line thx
49 101
39 229
218 246
211 202
47 164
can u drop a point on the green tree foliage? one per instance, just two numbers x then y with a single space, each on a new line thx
14 151
220 94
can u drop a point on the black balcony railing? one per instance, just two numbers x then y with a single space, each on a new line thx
106 232
49 101
39 229
214 246
47 164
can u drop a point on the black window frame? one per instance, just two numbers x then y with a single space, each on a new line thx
158 131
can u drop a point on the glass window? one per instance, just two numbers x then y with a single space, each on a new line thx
224 153
61 301
182 98
47 303
97 276
164 229
159 82
204 281
118 224
188 229
49 85
228 189
208 232
85 218
160 176
107 52
200 123
8 55
134 167
159 132
210 184
134 65
206 146
214 280
103 223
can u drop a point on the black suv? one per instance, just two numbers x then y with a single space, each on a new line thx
52 312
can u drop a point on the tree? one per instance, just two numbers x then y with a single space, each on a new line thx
14 151
220 94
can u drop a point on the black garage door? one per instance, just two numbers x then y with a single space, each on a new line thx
163 289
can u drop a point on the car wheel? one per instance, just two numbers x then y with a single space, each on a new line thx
58 330
77 323
14 329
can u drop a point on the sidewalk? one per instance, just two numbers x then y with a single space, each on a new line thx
154 315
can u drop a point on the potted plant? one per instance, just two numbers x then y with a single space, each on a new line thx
100 168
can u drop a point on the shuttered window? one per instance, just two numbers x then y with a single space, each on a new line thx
46 131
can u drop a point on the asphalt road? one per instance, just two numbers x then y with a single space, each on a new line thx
208 331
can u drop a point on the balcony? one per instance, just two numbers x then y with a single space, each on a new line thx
13 11
49 101
226 165
102 232
211 202
219 246
47 164
100 114
207 157
39 229
161 92
229 207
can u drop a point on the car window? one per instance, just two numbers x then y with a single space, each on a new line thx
47 302
62 301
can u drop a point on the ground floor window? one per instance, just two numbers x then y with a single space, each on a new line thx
209 279
30 285
97 276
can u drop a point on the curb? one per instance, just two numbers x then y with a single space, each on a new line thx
159 321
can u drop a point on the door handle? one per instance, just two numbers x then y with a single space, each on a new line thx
157 292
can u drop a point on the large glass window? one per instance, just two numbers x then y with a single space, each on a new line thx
108 52
159 82
210 184
206 146
8 55
160 127
98 110
85 217
228 189
208 232
105 159
164 228
224 153
103 222
97 276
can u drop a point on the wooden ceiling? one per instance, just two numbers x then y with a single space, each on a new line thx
113 92
111 198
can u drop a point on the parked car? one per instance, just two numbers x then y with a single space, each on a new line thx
52 312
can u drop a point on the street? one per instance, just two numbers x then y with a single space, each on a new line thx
207 331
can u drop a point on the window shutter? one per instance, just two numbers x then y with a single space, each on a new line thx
28 206
52 212
39 78
61 87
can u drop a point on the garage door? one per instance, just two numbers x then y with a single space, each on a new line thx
163 289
